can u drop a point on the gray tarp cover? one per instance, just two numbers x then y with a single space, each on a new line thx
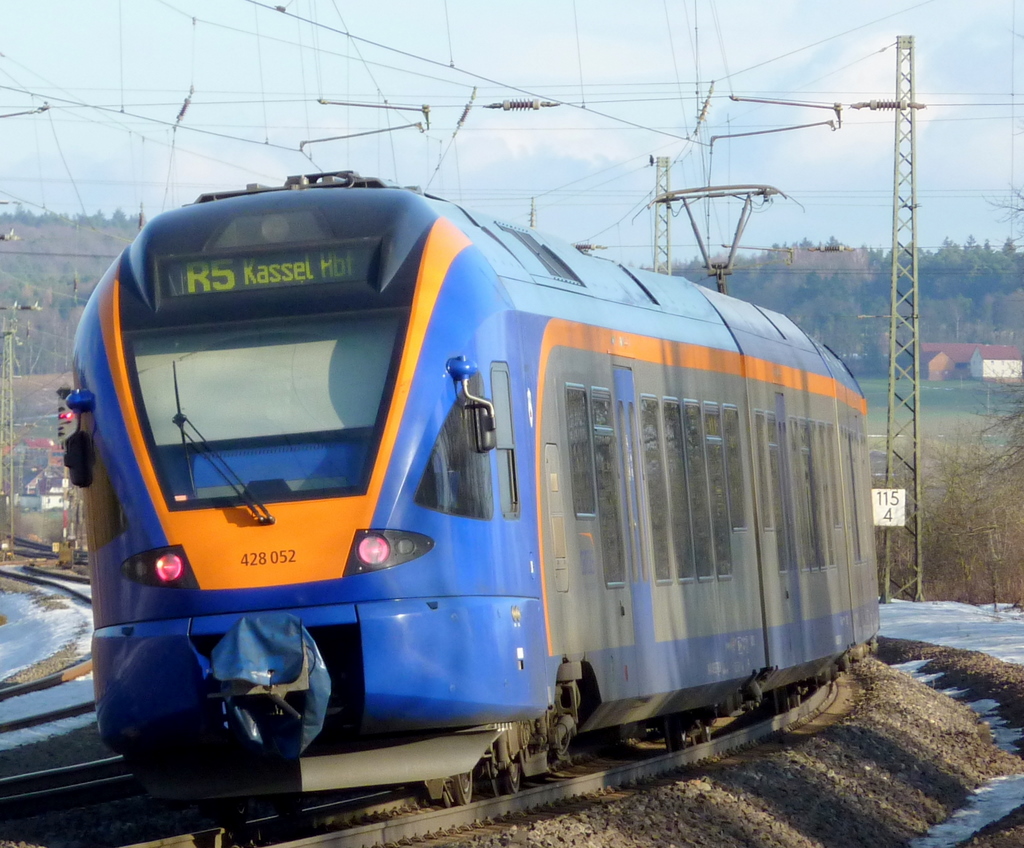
267 650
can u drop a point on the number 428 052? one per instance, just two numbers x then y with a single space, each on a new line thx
268 557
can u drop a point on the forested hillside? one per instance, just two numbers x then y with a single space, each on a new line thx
54 262
968 293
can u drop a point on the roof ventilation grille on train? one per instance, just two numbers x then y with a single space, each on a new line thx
341 179
328 179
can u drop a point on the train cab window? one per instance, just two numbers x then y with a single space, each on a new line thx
734 467
696 466
679 496
657 492
581 457
715 446
508 482
268 410
606 474
457 480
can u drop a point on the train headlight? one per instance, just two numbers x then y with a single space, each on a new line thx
373 550
167 567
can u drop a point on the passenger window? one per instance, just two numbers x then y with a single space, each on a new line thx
823 484
508 482
696 467
607 478
761 435
657 493
778 504
679 496
734 467
852 482
581 459
717 488
457 480
800 457
835 473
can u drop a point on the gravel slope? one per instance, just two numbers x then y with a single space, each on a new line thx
903 759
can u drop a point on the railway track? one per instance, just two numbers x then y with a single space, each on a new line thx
79 669
827 704
70 786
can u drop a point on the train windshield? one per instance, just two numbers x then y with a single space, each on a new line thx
289 409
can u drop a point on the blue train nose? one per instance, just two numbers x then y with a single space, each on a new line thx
274 683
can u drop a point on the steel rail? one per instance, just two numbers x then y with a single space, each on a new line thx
54 583
79 669
45 718
68 786
434 822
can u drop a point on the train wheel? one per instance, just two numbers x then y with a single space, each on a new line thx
511 778
675 738
462 788
232 814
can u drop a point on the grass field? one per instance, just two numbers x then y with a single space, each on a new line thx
945 406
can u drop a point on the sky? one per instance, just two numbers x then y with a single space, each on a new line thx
153 102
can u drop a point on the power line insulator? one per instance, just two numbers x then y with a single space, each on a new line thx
521 105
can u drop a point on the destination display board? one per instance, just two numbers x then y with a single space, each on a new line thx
190 276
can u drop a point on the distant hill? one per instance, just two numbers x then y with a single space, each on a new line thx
55 262
971 292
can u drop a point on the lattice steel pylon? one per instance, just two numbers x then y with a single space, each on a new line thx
903 565
7 481
662 218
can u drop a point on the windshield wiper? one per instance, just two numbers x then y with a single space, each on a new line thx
198 442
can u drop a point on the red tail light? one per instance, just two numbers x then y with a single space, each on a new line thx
168 567
373 550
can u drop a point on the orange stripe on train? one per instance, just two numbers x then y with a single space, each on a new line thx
561 333
320 531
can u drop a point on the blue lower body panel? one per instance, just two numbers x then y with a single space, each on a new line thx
407 665
149 685
452 662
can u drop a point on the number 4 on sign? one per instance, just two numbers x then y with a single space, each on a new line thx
889 507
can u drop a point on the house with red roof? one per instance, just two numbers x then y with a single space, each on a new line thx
965 361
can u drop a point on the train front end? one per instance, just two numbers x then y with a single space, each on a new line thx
279 421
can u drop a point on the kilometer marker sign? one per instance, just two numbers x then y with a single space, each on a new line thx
889 507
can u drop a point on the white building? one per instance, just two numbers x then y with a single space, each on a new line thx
998 363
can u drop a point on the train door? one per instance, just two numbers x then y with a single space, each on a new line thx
791 639
632 491
780 579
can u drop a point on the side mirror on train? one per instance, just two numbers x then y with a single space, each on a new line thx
485 431
79 458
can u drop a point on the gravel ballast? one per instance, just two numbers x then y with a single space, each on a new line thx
903 759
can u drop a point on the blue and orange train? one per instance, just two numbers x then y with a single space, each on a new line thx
381 491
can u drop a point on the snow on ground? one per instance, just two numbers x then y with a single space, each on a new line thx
997 630
34 632
78 691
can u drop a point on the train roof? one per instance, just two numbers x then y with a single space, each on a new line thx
544 275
